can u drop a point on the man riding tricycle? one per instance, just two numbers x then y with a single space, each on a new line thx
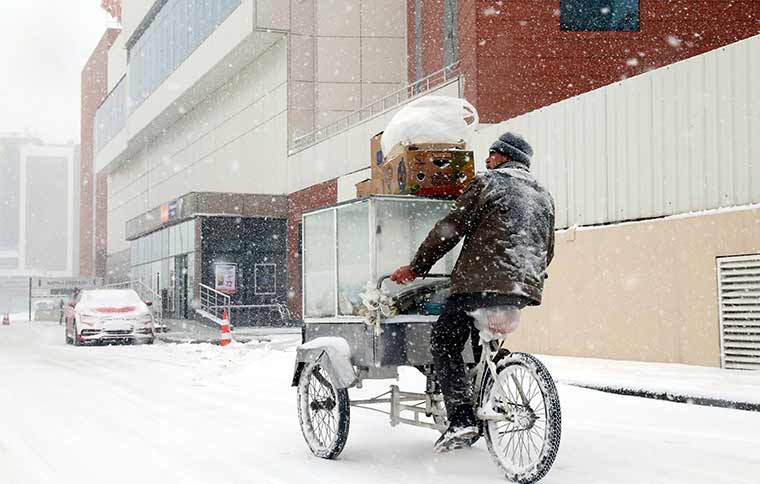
505 220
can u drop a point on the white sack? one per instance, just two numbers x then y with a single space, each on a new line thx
430 119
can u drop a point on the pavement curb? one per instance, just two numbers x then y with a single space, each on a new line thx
671 397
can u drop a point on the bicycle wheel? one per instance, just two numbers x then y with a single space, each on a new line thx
522 428
323 412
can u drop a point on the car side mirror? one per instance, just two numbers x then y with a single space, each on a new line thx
149 303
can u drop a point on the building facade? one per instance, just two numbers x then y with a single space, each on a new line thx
39 216
93 199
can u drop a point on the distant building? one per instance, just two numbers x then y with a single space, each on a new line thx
38 217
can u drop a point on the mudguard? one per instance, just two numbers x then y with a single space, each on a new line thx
333 353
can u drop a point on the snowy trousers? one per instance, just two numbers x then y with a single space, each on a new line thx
448 338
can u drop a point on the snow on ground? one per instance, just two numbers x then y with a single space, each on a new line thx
180 413
692 381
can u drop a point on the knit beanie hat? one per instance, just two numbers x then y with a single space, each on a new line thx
514 146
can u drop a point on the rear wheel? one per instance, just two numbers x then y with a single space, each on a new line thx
522 424
323 412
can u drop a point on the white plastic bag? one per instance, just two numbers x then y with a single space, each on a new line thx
430 119
496 322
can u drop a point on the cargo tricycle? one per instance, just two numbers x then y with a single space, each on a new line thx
359 325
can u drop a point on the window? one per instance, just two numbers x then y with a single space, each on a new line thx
450 32
265 278
176 30
599 15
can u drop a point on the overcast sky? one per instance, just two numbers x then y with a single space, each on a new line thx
43 46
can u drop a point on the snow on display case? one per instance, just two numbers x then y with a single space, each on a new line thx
348 245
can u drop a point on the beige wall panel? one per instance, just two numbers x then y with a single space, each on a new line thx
338 59
339 18
338 96
302 19
375 92
384 60
383 18
272 14
302 55
638 291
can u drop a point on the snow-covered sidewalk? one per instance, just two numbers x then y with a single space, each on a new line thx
693 384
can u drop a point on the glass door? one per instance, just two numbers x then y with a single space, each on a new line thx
180 287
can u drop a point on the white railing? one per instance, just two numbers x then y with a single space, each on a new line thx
146 293
405 94
213 302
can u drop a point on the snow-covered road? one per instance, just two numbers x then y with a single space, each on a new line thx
204 414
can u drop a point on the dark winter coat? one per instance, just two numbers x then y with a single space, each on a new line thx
507 220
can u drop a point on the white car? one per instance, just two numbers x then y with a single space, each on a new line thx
109 315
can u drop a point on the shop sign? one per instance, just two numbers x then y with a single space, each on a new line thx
225 277
171 211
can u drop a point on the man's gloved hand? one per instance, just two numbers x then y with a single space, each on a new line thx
402 275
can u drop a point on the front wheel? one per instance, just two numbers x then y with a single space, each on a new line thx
523 423
323 412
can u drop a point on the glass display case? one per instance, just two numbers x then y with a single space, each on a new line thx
348 245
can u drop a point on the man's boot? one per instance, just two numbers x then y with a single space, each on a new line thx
462 431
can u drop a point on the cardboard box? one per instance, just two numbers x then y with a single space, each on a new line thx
370 186
424 170
376 155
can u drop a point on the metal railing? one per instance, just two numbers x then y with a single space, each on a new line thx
146 293
405 94
213 302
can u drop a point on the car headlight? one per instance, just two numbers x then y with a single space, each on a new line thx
88 319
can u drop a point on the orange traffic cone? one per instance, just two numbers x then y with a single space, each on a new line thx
226 336
6 320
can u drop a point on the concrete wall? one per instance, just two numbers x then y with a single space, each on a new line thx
229 143
639 291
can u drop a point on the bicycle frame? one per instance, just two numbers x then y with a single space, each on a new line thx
488 363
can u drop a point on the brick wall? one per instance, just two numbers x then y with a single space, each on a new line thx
94 87
298 202
516 59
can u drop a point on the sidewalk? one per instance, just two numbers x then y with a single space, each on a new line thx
190 331
715 387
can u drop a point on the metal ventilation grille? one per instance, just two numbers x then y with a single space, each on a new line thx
739 301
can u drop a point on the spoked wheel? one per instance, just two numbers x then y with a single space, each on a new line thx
323 411
523 424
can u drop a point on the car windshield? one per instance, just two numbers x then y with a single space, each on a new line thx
111 297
